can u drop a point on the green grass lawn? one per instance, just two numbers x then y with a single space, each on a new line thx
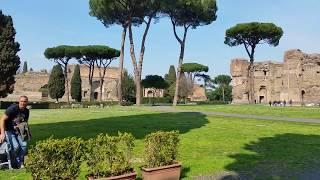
209 145
263 110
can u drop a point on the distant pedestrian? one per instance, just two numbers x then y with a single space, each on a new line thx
290 102
270 103
284 103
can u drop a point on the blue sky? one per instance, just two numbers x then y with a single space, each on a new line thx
43 23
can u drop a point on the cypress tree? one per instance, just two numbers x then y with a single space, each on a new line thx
25 67
128 87
183 89
171 77
76 84
9 60
56 84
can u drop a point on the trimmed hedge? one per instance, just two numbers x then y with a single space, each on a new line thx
211 103
127 103
96 103
55 159
156 100
53 105
161 148
5 104
109 155
104 155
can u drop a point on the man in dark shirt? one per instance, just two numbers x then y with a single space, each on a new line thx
14 115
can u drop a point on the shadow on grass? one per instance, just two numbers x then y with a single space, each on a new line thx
284 156
138 125
185 171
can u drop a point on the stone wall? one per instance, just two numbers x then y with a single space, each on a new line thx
151 92
29 84
198 93
109 89
296 79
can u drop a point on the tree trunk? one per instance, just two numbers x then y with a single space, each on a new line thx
182 47
142 50
91 70
192 76
176 93
121 59
137 67
102 64
190 83
90 90
223 98
251 84
251 71
153 94
138 90
99 66
67 81
100 90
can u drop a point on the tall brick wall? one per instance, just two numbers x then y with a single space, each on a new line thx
296 79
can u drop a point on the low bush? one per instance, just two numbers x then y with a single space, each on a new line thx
156 100
6 104
161 149
53 105
85 104
47 105
211 103
127 103
109 155
55 159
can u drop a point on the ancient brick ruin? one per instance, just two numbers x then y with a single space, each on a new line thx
296 79
30 84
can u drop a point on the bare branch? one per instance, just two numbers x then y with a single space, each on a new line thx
175 31
246 46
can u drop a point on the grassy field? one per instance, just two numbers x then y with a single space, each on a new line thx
209 145
263 110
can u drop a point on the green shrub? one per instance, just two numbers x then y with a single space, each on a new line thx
47 105
109 155
53 105
55 159
127 103
161 148
211 103
157 100
6 104
96 103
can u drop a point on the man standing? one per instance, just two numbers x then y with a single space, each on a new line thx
10 126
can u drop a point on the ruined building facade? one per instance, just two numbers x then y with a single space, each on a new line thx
296 79
34 85
31 84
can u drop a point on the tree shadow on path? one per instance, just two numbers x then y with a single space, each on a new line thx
284 156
